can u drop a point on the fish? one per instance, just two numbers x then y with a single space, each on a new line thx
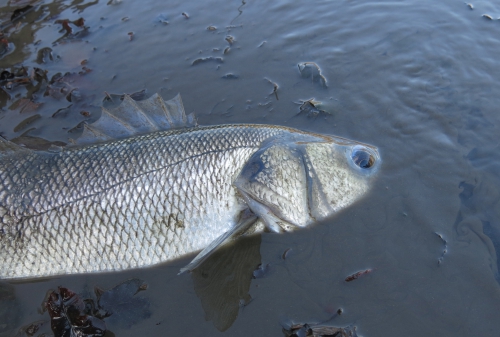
145 184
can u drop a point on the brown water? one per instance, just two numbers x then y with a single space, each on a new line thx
418 79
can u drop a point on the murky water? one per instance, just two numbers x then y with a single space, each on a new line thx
418 79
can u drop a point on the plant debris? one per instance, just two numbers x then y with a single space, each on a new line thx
261 271
275 88
230 39
313 71
18 13
206 59
72 28
70 315
285 253
230 76
311 108
317 330
445 249
357 274
121 303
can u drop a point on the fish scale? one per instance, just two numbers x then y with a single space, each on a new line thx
89 216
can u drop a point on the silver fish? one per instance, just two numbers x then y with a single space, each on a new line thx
147 199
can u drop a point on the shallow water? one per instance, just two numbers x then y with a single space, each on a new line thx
418 79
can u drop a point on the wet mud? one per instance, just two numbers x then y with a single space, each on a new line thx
418 79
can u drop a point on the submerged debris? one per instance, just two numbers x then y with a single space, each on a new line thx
311 108
312 70
72 28
261 271
162 18
20 12
230 76
275 88
357 274
70 316
230 39
445 249
122 305
206 59
318 330
73 315
44 55
285 253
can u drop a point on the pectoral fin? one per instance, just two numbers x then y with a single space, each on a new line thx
271 221
243 225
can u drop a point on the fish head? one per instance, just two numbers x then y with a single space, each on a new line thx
339 172
298 179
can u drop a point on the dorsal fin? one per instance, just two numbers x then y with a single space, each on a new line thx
9 148
131 118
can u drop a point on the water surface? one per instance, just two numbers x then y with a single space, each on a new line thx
418 79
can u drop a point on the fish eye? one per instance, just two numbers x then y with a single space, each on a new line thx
362 157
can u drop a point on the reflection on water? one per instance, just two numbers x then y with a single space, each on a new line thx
222 282
418 79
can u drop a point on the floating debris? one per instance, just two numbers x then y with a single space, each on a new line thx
318 330
20 12
285 253
206 59
230 76
261 271
311 108
162 18
445 249
487 16
226 50
67 25
125 18
230 39
471 6
312 70
186 15
27 122
44 55
357 274
73 315
275 88
130 36
262 43
211 28
70 315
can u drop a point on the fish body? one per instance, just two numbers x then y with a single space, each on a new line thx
151 198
